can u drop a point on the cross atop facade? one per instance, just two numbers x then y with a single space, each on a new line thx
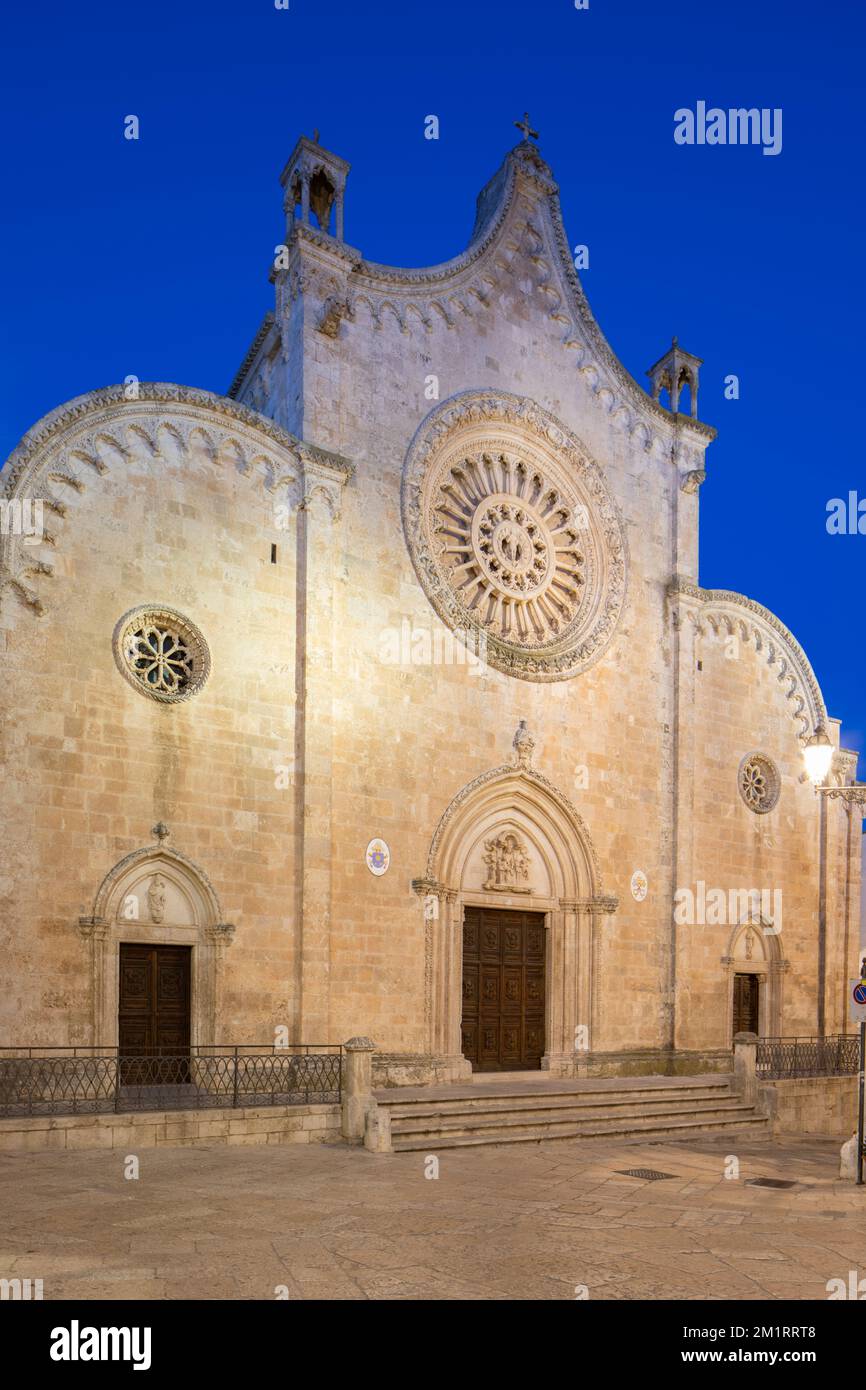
161 831
528 132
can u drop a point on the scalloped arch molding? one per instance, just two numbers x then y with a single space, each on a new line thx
725 613
76 444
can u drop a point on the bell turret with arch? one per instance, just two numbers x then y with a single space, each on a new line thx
314 183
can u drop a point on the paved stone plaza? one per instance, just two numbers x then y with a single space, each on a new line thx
519 1222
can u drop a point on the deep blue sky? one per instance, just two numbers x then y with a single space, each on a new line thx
151 257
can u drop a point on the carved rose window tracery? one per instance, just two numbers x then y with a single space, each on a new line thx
759 782
161 653
513 535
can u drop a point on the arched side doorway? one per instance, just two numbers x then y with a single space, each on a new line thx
154 901
755 972
512 845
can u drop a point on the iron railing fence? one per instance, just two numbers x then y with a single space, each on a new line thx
781 1058
91 1081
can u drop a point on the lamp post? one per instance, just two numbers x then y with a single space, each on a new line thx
818 757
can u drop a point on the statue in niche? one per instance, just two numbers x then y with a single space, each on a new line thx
156 898
524 746
507 862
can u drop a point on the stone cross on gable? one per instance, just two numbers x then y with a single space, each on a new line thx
528 132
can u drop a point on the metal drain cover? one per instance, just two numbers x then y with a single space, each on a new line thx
769 1182
651 1174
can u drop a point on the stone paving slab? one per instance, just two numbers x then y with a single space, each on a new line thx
536 1223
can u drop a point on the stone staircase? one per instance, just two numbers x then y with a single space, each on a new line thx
528 1107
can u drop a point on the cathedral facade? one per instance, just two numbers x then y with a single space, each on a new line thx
380 695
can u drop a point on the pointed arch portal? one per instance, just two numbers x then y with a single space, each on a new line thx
511 841
155 897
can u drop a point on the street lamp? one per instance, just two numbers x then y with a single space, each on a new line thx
818 755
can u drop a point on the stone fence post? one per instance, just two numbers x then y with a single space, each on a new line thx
746 1066
357 1087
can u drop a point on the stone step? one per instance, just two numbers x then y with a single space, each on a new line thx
747 1121
486 1078
550 1100
473 1118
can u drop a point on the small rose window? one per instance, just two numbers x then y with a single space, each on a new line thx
760 783
161 653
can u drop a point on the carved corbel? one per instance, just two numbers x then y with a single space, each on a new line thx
334 311
692 480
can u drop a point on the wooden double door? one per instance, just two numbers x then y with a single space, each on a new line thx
154 1009
503 989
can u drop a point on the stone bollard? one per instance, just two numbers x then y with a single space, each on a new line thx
848 1160
378 1134
746 1066
357 1088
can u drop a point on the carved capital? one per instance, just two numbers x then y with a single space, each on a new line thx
601 905
325 476
93 928
222 933
428 887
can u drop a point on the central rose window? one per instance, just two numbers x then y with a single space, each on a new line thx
512 534
514 555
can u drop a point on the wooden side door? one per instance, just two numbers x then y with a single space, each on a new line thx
154 1009
746 1003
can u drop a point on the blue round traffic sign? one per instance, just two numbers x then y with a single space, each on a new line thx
860 993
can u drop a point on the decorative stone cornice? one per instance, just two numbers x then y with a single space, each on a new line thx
323 461
262 332
100 403
304 235
519 214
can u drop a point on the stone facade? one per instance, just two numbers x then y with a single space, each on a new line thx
438 552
